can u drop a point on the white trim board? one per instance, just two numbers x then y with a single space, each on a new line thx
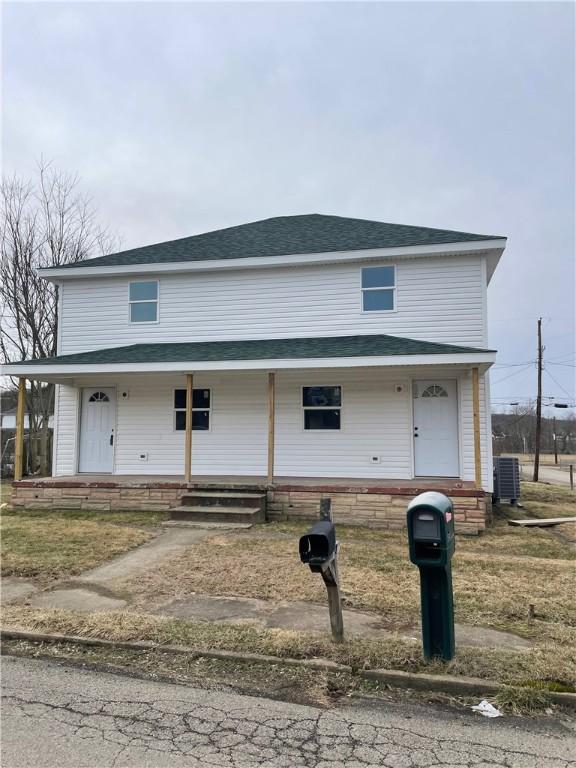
73 369
492 247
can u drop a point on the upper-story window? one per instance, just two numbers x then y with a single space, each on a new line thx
378 289
144 301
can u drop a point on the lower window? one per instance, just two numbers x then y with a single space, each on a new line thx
201 406
322 407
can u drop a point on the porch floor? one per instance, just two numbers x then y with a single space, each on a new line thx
454 486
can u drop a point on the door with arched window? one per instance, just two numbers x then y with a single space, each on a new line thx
436 449
97 421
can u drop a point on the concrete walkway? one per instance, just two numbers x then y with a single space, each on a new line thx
88 591
166 545
311 617
16 588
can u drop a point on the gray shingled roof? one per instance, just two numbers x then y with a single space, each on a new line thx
258 349
282 236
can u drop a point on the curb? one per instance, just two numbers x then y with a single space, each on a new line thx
451 684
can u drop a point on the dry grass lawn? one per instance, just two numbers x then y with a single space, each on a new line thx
546 500
51 545
496 577
544 665
5 492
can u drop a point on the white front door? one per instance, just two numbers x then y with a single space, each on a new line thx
435 428
97 429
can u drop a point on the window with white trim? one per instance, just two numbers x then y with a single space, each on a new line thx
201 407
378 289
322 407
143 300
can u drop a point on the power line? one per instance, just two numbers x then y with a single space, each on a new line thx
568 394
514 365
514 373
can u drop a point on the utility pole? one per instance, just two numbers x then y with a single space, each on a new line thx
555 443
538 405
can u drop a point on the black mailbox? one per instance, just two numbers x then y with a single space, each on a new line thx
318 546
431 529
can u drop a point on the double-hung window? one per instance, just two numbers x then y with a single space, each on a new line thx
378 289
322 407
143 297
201 406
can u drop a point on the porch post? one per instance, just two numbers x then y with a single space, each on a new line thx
188 427
19 441
476 418
271 424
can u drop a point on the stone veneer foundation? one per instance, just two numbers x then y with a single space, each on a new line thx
383 507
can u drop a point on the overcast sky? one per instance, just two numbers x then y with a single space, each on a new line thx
185 117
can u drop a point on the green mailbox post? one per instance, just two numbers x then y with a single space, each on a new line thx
431 539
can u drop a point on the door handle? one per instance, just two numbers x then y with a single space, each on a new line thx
112 439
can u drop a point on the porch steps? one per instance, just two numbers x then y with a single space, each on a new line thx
222 507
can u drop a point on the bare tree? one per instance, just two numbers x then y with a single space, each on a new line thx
44 222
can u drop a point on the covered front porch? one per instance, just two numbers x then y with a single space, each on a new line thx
369 421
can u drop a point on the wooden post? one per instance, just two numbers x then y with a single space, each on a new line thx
331 578
19 441
476 418
335 600
571 477
188 427
271 424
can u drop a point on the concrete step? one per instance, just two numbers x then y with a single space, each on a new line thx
205 526
217 514
224 499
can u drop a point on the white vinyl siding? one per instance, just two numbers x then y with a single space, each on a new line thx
376 421
235 444
66 429
437 299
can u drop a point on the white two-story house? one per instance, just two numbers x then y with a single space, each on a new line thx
325 355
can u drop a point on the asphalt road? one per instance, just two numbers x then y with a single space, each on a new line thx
547 474
59 716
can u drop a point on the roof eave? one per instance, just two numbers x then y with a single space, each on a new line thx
494 246
481 358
